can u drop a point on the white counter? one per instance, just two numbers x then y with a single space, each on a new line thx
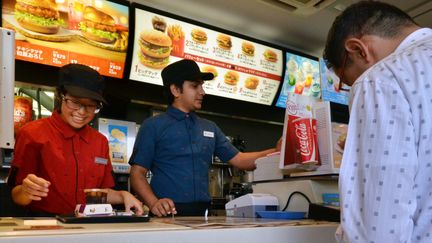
178 230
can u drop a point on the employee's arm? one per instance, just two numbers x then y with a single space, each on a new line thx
32 188
159 207
246 160
124 197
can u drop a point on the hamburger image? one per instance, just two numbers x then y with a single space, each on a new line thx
270 55
98 26
210 69
248 49
155 48
251 82
199 36
231 77
224 41
38 15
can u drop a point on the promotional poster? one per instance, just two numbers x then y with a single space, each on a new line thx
243 70
90 32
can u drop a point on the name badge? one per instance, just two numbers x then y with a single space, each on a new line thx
102 161
208 134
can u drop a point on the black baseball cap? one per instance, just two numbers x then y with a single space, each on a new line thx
178 72
82 81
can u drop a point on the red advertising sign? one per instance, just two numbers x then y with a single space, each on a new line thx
94 33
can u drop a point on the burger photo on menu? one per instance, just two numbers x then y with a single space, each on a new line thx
98 26
224 41
39 16
231 77
210 69
251 82
270 55
155 48
248 48
199 36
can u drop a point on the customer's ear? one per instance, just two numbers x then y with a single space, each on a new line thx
358 50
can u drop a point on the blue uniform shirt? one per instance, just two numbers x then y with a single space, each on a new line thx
177 148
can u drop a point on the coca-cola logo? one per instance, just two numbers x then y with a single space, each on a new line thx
291 107
302 135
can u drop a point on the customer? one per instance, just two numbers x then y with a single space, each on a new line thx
56 158
386 176
178 146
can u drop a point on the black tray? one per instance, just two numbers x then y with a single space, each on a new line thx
71 219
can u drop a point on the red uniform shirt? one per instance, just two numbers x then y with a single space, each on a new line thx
72 160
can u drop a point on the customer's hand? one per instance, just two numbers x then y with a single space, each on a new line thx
163 207
35 188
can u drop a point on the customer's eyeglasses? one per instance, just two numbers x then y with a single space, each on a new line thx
342 72
76 105
342 76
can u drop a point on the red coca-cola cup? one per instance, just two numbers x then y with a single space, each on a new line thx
303 132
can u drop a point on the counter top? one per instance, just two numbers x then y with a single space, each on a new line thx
178 229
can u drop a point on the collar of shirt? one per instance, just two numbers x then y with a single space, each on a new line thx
66 130
414 37
180 115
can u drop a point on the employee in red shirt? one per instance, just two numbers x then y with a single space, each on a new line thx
56 158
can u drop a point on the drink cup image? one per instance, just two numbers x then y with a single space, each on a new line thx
304 132
298 89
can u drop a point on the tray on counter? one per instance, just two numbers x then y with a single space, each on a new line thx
72 219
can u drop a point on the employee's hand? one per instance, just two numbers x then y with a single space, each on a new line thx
131 203
163 207
35 188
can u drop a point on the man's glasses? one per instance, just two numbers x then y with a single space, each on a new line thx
76 105
342 76
342 73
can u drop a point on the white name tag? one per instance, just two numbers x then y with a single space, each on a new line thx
208 134
102 161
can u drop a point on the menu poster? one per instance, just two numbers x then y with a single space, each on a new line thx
244 70
118 143
330 86
301 77
55 33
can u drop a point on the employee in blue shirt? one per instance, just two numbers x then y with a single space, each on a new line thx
177 147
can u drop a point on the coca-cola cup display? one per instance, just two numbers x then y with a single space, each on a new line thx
300 150
301 145
304 137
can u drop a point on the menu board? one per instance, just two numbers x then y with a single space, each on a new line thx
55 33
243 69
330 86
301 77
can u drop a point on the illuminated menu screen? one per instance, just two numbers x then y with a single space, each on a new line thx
330 86
302 76
243 70
94 33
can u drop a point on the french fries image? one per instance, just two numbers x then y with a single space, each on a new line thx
122 42
175 32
